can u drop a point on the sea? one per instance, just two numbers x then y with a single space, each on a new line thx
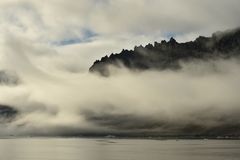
117 149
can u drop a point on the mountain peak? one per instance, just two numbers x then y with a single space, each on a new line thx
172 41
166 55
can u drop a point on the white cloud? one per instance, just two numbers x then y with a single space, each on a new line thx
54 77
116 21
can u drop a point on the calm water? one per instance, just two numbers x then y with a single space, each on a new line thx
114 149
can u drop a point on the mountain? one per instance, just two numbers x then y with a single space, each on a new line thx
167 55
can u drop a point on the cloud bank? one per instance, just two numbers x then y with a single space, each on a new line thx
50 45
201 98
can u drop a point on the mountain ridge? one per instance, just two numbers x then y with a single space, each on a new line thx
168 54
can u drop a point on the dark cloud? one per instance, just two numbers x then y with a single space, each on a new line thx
210 121
7 113
9 78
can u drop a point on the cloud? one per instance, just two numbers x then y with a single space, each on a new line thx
113 24
8 78
58 20
57 96
201 98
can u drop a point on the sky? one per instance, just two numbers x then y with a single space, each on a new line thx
50 44
85 30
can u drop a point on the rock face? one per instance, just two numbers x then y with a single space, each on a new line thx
167 55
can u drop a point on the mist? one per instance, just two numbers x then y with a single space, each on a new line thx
47 48
200 98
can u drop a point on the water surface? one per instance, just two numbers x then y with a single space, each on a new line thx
117 149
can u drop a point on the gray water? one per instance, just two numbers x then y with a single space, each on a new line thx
117 149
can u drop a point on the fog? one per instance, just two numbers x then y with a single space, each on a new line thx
200 98
47 47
